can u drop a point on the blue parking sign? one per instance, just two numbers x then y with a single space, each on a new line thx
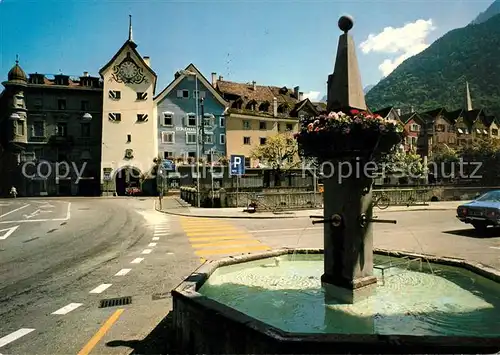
237 164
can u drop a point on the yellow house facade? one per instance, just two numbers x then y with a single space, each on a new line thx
129 129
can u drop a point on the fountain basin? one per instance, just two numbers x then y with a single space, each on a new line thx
215 311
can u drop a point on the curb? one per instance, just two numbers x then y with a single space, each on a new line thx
286 217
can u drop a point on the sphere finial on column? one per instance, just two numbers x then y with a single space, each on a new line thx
345 23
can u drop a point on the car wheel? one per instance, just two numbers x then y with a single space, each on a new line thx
480 227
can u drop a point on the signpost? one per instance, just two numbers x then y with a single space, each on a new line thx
237 167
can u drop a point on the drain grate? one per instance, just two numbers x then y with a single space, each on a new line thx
114 302
160 296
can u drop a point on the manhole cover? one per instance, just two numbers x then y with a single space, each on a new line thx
160 296
114 302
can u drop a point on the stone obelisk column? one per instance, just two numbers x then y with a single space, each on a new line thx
348 240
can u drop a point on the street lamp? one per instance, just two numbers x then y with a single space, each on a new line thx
87 116
191 73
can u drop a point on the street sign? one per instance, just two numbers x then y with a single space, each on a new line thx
168 165
237 165
107 176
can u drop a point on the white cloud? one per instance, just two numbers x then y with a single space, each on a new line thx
312 95
404 42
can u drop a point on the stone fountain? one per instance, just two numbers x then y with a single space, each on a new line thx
331 300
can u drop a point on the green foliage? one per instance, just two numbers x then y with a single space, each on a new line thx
279 152
442 153
436 77
405 163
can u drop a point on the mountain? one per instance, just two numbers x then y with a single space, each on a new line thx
368 88
436 77
492 10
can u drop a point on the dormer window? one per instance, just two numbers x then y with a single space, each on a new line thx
36 79
252 105
237 104
264 107
283 108
284 90
62 80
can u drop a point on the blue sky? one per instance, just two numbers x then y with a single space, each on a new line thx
283 43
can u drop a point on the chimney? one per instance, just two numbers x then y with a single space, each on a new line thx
214 80
398 111
412 109
85 73
301 96
254 85
147 60
296 91
275 107
221 78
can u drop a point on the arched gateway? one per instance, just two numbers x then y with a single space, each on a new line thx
127 176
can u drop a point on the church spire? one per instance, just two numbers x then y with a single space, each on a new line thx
130 37
468 100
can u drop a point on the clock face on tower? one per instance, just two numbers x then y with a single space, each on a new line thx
128 72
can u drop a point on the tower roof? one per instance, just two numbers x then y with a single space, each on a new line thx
17 74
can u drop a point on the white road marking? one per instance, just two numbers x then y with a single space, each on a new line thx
31 215
161 234
68 308
280 230
68 214
101 288
15 210
8 232
14 336
156 238
495 247
170 253
151 245
146 251
123 272
137 261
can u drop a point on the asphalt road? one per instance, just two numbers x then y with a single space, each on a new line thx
60 258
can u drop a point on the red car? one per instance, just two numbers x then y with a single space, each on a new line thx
132 191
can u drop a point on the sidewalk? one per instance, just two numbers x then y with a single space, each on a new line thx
175 206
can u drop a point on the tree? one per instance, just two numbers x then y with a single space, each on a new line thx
406 165
442 153
280 152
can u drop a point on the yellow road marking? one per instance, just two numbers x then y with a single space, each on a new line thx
230 250
214 233
227 242
223 237
101 332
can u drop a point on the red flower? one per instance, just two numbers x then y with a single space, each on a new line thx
354 112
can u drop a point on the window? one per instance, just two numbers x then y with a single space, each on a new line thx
38 129
129 138
247 125
141 96
208 120
183 94
246 140
20 127
440 128
202 94
168 155
191 120
262 140
247 162
168 119
262 125
115 116
62 129
168 137
222 121
142 117
494 132
115 95
289 127
191 155
85 130
208 138
190 138
222 139
61 104
84 105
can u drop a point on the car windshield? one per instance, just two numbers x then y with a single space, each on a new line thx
492 196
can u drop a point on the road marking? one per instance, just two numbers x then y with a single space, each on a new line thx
17 209
146 251
240 242
495 247
137 261
8 232
231 250
101 332
151 245
33 214
14 336
101 288
224 237
156 238
68 214
123 272
68 308
161 233
281 230
214 233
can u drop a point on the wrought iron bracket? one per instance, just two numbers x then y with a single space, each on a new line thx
335 220
364 220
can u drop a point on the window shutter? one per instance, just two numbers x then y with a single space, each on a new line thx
179 94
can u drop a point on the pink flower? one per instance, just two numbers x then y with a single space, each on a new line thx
310 127
333 115
354 112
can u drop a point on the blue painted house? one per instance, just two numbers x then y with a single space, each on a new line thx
176 110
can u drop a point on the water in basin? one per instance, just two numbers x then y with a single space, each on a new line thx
287 293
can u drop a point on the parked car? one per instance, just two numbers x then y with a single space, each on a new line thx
132 190
484 211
